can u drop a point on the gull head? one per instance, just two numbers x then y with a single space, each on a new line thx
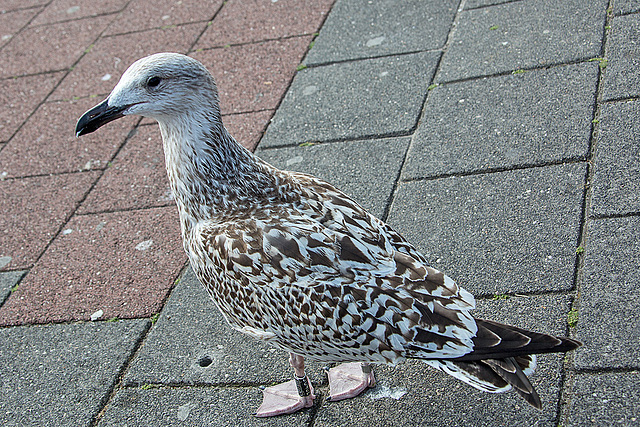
165 87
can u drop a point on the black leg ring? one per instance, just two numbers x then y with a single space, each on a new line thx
303 386
366 368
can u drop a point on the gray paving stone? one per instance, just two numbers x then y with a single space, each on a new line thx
621 7
8 279
616 180
365 170
505 232
357 29
526 119
609 313
621 77
526 34
426 397
191 332
59 375
353 100
605 399
192 406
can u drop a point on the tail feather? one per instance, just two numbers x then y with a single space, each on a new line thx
502 358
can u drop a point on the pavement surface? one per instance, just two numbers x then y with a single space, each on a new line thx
501 137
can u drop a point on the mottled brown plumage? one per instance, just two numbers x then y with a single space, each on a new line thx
291 260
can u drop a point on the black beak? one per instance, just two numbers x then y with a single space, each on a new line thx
99 115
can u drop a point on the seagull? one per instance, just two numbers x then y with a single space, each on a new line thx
290 260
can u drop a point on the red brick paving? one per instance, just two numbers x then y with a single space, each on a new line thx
74 210
49 48
33 210
64 10
254 76
20 96
47 143
247 21
163 13
82 271
12 22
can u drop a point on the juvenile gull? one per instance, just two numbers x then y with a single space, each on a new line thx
291 260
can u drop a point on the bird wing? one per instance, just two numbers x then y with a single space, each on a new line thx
323 277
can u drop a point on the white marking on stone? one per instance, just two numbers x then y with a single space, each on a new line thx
73 9
294 160
309 90
143 246
376 41
67 231
95 316
106 77
184 410
385 392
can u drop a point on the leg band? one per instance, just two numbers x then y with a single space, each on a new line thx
366 368
303 386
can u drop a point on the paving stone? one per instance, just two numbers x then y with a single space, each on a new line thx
47 142
505 232
621 7
493 123
365 170
165 13
609 313
357 29
605 399
201 406
242 21
616 178
12 22
8 279
253 77
247 128
123 263
362 99
99 70
426 397
60 374
33 210
135 179
65 10
529 33
191 332
49 48
19 97
621 79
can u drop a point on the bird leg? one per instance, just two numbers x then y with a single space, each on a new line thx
349 380
288 397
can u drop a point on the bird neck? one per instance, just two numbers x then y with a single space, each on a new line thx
211 175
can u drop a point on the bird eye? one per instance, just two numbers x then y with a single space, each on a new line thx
153 81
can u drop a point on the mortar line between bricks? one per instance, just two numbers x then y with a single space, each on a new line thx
484 6
566 392
615 215
487 171
265 40
520 71
366 58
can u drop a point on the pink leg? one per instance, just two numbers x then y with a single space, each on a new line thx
349 380
288 397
